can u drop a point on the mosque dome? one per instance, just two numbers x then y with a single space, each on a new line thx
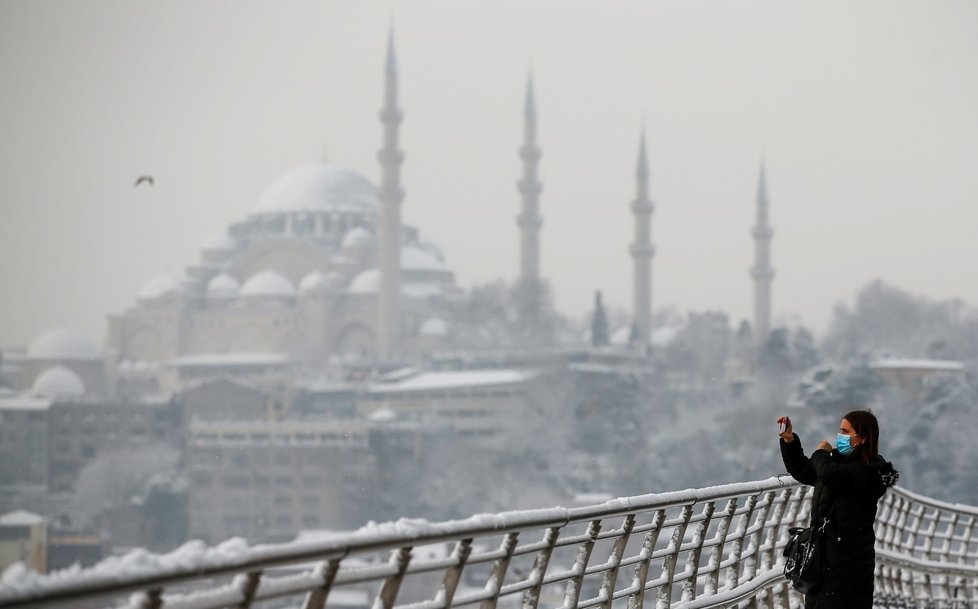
356 237
268 283
223 286
160 286
319 187
367 282
58 381
218 242
315 282
62 344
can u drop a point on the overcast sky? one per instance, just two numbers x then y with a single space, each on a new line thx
865 112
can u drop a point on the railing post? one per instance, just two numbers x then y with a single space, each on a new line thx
532 596
614 562
150 599
316 599
454 573
716 556
693 559
388 592
498 574
637 598
247 585
733 571
664 597
573 591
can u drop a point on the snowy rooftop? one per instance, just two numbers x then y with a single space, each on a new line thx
23 402
893 363
455 379
20 518
243 358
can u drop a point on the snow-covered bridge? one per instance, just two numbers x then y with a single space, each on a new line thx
710 547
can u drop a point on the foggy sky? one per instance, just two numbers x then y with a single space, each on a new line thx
864 111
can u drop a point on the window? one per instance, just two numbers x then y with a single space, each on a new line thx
236 482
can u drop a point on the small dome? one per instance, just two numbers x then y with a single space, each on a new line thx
268 283
218 242
315 282
416 258
319 187
367 282
434 326
621 336
160 286
664 336
62 344
223 286
58 381
356 237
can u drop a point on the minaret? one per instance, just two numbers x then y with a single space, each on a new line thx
390 196
642 250
529 219
762 271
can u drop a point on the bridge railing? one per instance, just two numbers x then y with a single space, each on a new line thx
926 552
712 547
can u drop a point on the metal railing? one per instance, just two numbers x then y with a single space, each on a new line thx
712 547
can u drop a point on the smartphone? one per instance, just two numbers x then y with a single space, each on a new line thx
783 425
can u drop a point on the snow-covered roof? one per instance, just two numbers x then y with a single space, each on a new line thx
319 187
893 363
434 326
453 379
24 402
58 382
356 237
166 284
21 518
223 285
664 336
621 336
62 344
416 258
383 415
268 283
244 358
220 241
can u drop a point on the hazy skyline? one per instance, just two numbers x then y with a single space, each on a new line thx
864 112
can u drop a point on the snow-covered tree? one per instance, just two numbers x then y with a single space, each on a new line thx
113 478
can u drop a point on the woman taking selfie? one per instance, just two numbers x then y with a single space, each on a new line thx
849 481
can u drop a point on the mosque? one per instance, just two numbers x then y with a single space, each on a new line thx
323 270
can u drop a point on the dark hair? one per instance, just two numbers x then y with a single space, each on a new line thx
866 426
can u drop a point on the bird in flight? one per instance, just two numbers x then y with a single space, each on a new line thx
141 179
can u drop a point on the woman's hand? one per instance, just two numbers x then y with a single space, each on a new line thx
824 445
788 435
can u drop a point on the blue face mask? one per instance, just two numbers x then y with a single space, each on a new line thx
842 444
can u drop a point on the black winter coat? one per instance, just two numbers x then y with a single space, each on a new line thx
851 490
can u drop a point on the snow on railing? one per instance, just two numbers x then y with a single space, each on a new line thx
711 547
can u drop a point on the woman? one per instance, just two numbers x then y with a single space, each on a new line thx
849 481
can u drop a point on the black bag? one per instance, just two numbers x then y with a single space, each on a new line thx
805 552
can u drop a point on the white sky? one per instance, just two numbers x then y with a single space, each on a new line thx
865 111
